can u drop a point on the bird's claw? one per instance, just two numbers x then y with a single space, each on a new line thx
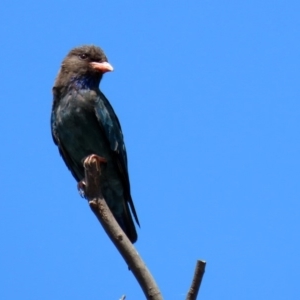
94 158
81 188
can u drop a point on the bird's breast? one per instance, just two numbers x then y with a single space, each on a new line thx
78 128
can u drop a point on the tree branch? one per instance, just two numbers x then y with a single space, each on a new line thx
101 210
194 289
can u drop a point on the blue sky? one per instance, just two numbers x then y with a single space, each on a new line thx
207 93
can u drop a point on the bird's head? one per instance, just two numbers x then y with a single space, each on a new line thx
83 65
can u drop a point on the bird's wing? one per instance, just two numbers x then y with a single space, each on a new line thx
111 126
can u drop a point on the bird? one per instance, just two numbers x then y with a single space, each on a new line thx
83 122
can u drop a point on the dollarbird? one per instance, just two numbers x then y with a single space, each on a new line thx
83 122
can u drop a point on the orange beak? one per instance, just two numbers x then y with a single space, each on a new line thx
102 67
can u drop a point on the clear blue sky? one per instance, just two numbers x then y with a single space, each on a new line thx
207 93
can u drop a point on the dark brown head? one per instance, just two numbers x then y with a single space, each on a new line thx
83 65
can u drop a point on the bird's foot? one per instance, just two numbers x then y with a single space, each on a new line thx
81 188
96 159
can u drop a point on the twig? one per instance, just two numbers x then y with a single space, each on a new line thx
194 289
99 207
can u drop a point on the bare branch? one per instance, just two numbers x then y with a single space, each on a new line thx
194 289
114 231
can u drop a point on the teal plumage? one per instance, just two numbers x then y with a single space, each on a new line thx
83 122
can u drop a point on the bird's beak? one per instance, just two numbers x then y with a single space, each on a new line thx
102 67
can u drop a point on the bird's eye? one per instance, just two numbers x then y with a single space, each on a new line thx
83 56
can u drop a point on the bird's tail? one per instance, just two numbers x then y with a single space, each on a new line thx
126 222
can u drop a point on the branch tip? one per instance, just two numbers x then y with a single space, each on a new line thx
196 282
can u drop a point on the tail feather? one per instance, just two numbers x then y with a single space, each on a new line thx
126 223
